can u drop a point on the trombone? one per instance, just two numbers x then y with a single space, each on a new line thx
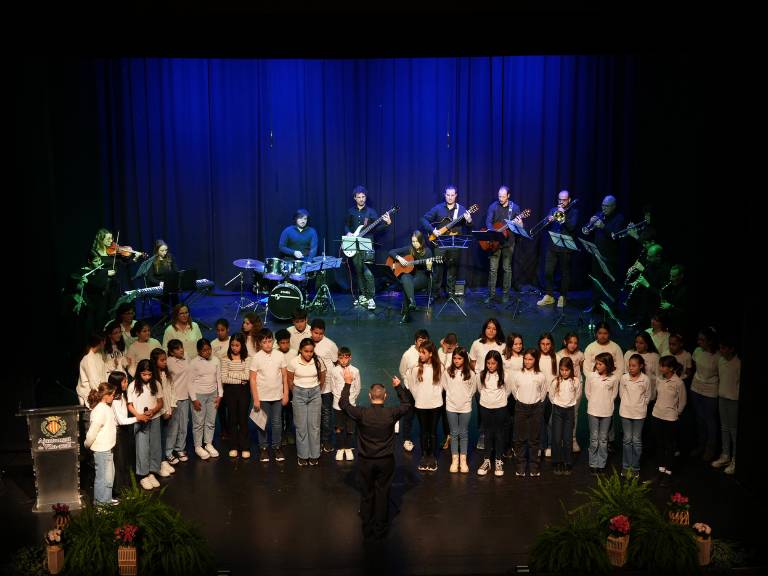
559 216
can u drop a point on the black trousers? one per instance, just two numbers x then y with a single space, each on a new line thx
666 433
345 427
237 397
375 475
124 455
550 261
428 418
527 429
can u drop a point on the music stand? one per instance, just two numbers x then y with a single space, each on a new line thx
356 244
456 242
595 251
519 230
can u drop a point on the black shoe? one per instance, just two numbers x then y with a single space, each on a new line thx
406 317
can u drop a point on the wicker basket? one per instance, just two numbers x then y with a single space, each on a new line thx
616 546
61 521
126 560
55 558
705 550
681 517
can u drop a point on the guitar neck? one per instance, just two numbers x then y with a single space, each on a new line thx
376 222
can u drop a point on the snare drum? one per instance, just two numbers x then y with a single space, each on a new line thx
284 300
275 269
296 270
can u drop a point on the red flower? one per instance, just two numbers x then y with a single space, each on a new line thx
126 534
678 502
60 509
619 525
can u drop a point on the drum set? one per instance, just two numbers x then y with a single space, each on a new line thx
283 285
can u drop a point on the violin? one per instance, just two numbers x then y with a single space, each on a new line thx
123 251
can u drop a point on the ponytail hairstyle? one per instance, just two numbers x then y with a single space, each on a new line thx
671 362
434 362
97 395
116 379
639 359
311 342
495 355
568 363
466 373
138 384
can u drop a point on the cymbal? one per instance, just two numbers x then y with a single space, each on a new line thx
250 264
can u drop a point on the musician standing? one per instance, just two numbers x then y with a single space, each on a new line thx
499 212
606 222
359 216
299 240
440 215
559 253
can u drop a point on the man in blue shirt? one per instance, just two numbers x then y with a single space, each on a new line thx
299 241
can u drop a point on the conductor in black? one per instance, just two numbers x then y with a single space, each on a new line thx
375 450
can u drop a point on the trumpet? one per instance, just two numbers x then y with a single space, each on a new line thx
599 217
631 228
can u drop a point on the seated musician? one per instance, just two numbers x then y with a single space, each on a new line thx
417 277
159 267
439 215
644 298
299 240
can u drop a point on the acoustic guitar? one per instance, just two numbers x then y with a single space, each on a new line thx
397 268
446 224
493 245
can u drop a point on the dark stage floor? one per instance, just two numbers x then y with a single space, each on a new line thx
278 519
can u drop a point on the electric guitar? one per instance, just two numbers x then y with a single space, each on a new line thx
397 268
362 230
493 245
443 227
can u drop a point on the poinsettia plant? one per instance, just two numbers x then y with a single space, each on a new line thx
126 534
678 502
619 525
702 530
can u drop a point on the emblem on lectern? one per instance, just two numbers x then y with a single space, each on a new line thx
53 426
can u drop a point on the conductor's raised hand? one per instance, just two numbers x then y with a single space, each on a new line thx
395 381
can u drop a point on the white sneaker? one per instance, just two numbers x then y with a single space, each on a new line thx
548 453
153 480
546 300
211 450
408 445
164 469
499 470
371 304
339 455
202 454
348 454
561 302
245 454
360 301
724 460
233 453
575 447
484 467
146 483
731 468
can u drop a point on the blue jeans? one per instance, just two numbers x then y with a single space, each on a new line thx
633 442
327 417
274 412
562 434
459 424
149 450
306 419
204 421
729 419
105 477
598 440
176 436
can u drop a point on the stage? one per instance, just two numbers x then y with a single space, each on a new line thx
275 518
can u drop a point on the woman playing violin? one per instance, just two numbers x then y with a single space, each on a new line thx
102 287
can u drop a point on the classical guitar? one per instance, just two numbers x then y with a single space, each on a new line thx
503 227
362 230
397 268
446 224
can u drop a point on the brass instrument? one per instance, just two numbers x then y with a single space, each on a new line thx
631 228
558 216
599 217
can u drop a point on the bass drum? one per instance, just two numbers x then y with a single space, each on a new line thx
284 300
